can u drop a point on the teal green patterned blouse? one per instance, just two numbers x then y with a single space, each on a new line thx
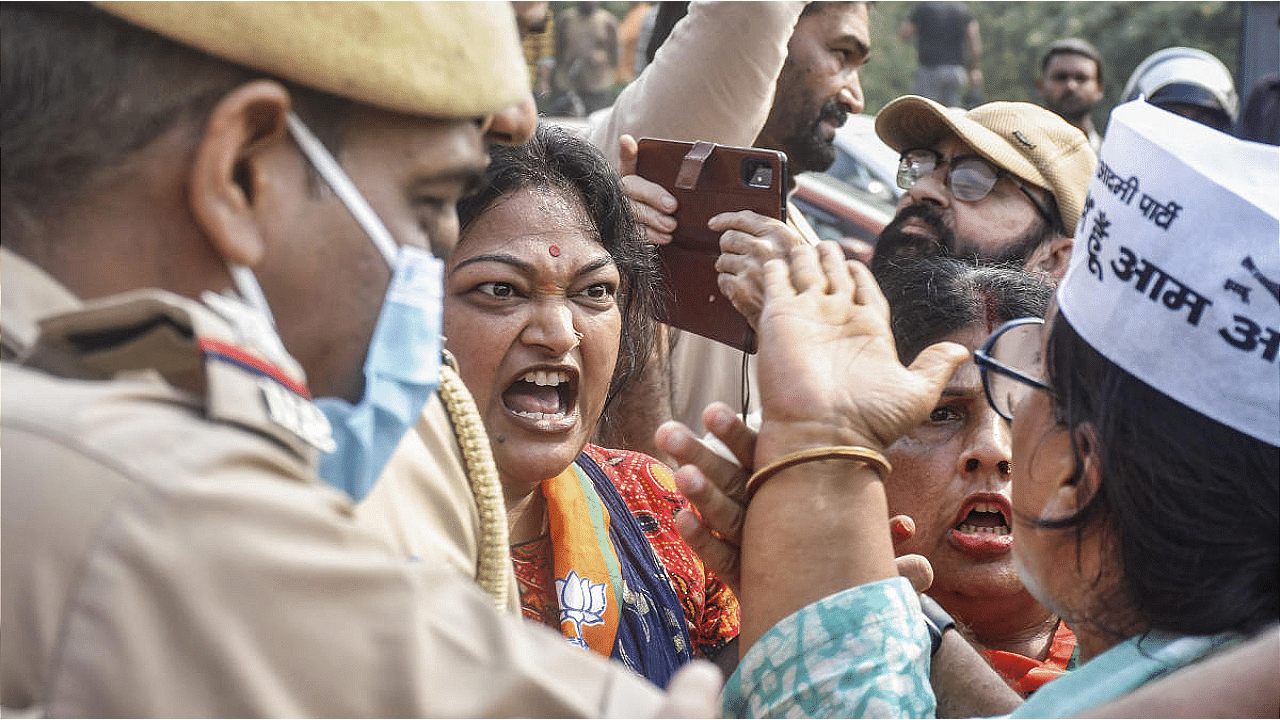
862 652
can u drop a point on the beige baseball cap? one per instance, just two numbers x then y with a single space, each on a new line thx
1027 140
434 59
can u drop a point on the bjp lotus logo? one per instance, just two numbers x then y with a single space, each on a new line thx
581 602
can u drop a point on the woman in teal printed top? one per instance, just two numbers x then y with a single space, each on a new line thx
1146 445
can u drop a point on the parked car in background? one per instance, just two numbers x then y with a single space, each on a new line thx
838 213
864 163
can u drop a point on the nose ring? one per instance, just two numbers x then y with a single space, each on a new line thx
578 337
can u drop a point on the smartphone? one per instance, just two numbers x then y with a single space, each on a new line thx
707 179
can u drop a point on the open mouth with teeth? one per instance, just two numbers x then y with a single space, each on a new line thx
985 518
983 528
547 399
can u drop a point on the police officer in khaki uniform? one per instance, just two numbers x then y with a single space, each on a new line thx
169 548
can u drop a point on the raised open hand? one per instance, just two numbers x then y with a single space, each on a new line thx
828 369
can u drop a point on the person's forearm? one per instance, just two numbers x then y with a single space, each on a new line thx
833 396
974 38
788 558
965 685
725 54
545 66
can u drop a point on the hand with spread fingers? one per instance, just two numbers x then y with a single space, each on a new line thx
832 390
716 486
748 240
829 371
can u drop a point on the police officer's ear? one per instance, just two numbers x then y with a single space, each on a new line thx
228 174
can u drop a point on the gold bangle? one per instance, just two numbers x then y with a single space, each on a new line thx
873 459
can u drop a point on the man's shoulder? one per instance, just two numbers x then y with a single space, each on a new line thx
138 427
120 350
76 449
93 434
111 485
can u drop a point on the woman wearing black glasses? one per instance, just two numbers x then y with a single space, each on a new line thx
1145 424
951 473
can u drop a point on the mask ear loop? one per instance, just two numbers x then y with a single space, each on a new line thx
250 291
346 190
322 160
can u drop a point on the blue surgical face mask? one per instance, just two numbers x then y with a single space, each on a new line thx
402 366
401 371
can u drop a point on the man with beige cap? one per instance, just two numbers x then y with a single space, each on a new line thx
185 266
1003 182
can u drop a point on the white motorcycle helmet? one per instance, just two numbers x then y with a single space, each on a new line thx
1190 82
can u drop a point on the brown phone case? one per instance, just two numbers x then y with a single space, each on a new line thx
708 179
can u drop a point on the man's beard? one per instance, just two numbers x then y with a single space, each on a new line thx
894 244
1072 108
807 150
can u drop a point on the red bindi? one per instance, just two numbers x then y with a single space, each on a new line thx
554 250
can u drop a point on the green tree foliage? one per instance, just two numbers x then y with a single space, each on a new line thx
1015 34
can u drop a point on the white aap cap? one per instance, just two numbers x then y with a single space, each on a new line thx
1175 275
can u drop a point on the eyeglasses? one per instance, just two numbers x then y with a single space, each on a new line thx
970 177
1010 364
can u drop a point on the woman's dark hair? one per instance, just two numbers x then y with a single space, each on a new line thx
931 297
83 91
556 159
1189 507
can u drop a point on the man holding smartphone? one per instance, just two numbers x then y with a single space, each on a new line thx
1004 182
781 76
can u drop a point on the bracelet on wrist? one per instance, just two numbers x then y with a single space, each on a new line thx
871 458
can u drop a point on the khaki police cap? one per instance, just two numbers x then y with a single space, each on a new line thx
434 59
1026 140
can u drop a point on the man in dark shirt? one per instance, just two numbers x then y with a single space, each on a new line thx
1070 84
946 36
